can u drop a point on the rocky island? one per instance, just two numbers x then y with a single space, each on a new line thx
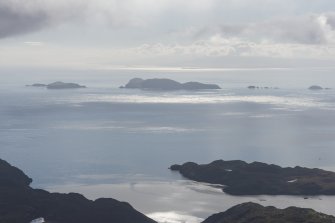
315 88
241 178
318 88
167 85
20 203
255 213
58 85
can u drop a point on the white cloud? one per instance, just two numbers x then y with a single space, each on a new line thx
310 29
214 50
305 29
219 46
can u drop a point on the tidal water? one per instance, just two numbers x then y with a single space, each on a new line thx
103 141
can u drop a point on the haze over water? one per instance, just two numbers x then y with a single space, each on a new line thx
109 142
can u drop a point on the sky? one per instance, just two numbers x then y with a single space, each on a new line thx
107 34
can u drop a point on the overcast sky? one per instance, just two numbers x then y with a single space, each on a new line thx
103 34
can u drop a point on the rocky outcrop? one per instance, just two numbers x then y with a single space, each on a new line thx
167 85
20 203
241 178
255 213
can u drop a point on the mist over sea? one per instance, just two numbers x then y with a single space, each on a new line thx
103 141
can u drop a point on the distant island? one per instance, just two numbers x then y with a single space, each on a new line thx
21 203
255 213
241 178
58 85
167 85
317 88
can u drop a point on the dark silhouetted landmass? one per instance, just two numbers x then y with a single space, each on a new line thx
315 87
167 85
19 203
255 213
241 178
58 85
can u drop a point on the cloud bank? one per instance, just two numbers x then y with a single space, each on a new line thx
125 33
21 17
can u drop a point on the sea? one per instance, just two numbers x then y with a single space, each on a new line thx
103 141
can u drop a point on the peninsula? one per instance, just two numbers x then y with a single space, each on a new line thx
241 178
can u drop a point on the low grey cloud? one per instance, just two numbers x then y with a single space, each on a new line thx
21 17
14 22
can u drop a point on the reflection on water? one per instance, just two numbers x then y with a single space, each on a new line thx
280 98
122 126
183 201
174 217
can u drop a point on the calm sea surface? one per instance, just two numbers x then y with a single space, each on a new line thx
109 142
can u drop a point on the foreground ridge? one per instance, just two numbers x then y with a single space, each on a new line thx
19 203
